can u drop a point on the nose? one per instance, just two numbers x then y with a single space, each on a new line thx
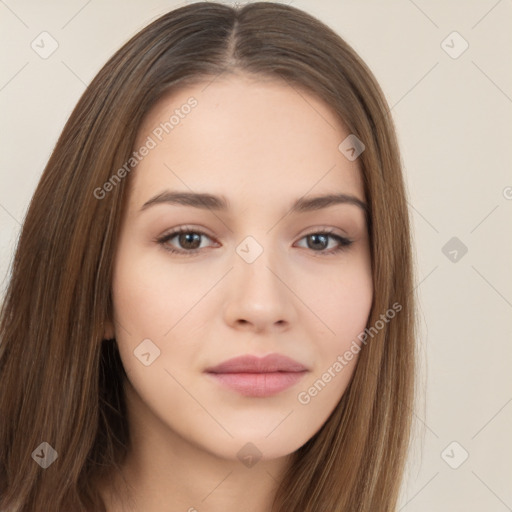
259 296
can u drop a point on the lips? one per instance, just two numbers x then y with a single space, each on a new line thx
258 377
252 364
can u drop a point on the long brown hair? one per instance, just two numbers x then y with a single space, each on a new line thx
61 383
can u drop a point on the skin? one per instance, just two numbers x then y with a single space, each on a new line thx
262 145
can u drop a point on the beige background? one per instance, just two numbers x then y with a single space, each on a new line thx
454 118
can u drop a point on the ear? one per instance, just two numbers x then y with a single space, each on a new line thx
108 330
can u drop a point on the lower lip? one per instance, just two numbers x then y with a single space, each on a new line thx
258 384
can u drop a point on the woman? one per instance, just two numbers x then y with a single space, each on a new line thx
211 301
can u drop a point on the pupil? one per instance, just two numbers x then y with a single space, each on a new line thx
185 238
316 237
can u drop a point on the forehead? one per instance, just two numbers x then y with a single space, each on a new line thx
264 139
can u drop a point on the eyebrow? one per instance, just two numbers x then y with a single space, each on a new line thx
219 203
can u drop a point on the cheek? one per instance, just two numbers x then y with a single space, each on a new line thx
343 303
349 309
150 296
341 298
153 303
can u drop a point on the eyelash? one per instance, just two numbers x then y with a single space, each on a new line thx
344 243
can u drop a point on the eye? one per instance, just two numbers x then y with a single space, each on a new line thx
318 241
189 240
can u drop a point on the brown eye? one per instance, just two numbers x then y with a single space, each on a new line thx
188 241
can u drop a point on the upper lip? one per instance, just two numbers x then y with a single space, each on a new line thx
253 364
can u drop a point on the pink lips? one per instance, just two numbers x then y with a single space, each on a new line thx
258 377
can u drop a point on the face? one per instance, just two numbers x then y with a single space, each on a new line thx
252 273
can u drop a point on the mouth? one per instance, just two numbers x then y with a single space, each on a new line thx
258 377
